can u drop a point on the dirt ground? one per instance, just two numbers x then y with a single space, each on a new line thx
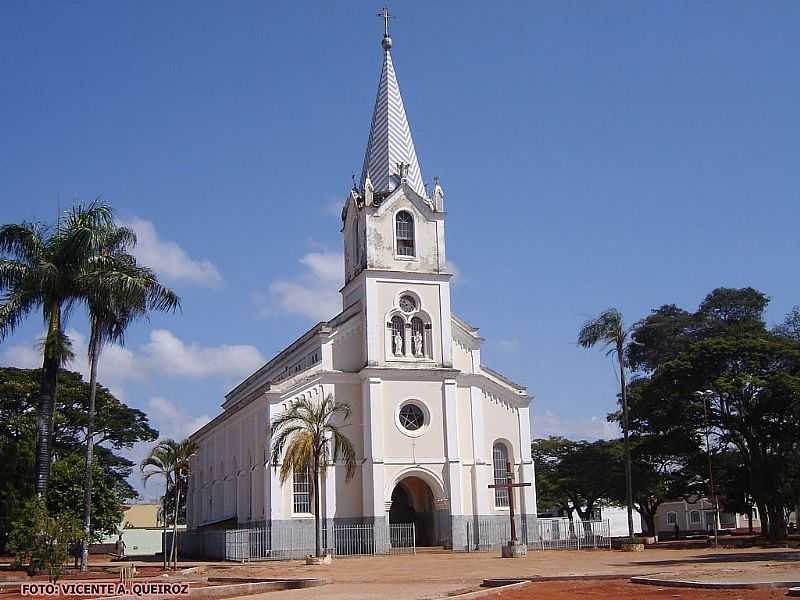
623 590
441 575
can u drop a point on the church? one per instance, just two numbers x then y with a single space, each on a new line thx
432 426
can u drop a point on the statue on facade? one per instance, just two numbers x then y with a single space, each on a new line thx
398 344
418 344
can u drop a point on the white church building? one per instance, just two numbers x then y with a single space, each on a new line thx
432 426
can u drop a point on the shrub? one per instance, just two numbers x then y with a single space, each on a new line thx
44 541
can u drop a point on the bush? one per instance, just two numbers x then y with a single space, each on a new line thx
43 541
632 540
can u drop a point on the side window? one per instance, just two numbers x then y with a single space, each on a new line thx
302 492
694 517
672 518
500 463
404 224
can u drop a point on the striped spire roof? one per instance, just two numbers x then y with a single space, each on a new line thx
390 140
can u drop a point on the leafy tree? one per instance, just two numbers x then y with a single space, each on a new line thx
305 438
790 328
118 427
609 329
171 461
118 291
724 355
44 540
65 495
589 472
44 269
547 454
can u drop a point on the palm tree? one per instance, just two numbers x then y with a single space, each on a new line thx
171 460
118 291
609 329
42 270
311 443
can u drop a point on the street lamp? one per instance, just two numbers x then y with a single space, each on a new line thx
704 395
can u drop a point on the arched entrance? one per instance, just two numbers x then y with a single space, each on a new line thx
412 502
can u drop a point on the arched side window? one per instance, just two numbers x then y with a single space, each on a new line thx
418 337
398 336
404 224
301 491
500 462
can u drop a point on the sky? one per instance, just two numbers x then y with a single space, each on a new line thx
592 154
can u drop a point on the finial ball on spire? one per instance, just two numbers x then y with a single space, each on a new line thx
387 42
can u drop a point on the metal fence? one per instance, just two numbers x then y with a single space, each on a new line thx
295 542
549 534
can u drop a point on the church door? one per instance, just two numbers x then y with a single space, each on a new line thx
412 502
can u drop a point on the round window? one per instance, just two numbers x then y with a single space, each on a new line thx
411 417
408 304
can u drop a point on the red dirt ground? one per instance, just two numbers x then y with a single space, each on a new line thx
621 589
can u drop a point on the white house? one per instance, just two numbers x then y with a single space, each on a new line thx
433 427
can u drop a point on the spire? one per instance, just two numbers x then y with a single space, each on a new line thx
390 152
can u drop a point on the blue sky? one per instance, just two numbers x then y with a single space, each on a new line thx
592 154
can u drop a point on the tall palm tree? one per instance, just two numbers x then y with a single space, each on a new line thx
41 270
609 329
118 291
311 443
171 460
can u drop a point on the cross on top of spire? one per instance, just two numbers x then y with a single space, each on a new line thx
384 14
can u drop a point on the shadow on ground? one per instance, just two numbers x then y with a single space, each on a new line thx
710 559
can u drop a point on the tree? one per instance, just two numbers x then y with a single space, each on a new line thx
790 328
171 461
65 495
305 438
547 454
609 329
723 354
44 540
118 427
118 291
43 271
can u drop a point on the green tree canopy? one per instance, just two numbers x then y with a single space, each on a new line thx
721 362
120 427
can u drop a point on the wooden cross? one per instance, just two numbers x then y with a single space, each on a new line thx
509 485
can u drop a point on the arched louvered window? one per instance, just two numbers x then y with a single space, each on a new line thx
398 336
418 337
500 462
405 233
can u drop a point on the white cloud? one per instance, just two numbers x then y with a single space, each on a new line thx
333 208
452 268
506 345
167 258
168 354
171 421
577 428
22 356
314 293
164 354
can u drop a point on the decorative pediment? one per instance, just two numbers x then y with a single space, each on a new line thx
404 190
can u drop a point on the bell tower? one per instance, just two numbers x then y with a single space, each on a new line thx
394 242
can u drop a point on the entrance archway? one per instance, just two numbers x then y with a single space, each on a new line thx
412 502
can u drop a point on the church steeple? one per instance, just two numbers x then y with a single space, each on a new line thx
390 154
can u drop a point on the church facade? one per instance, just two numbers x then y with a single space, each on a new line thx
432 426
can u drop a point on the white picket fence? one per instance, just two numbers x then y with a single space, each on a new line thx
287 543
